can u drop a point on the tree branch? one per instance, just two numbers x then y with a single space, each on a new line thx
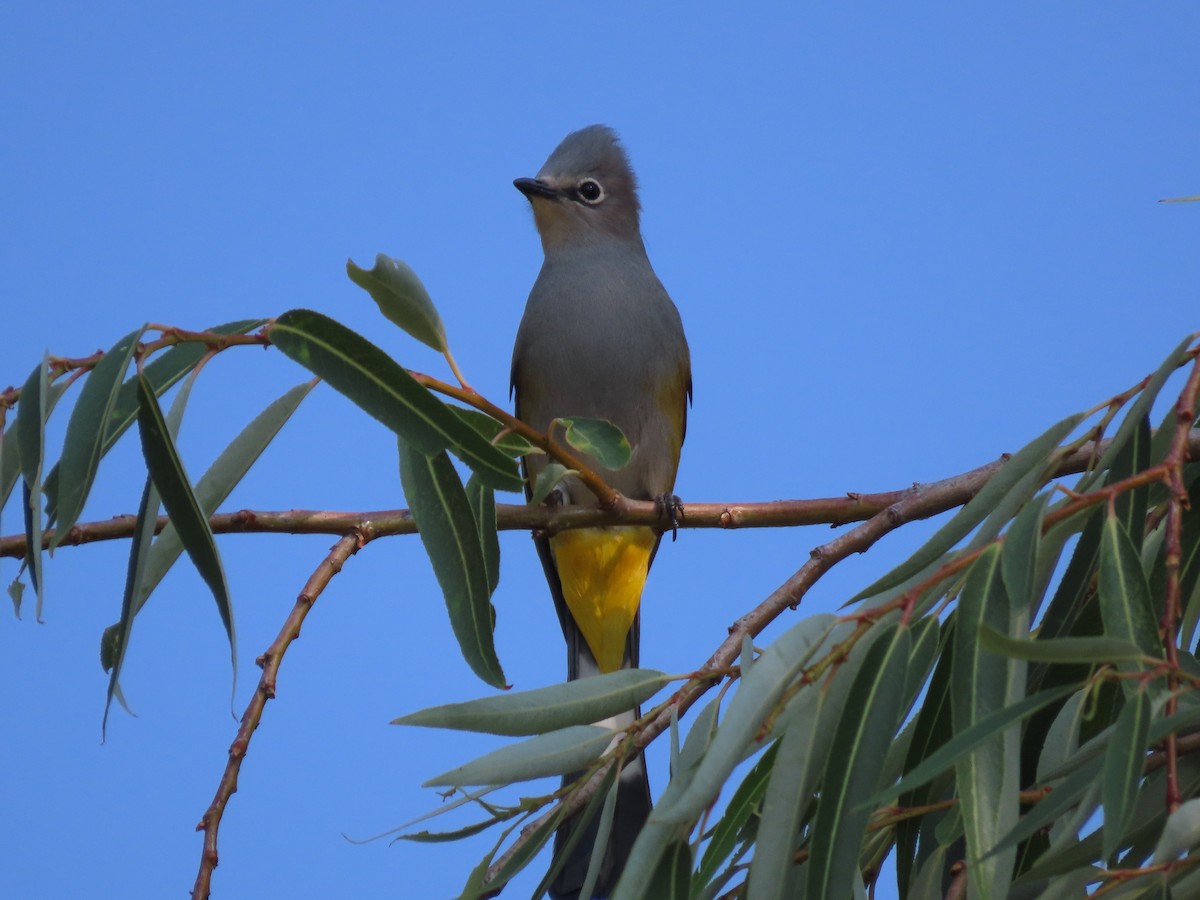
833 511
269 661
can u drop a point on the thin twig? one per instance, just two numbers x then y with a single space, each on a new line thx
210 823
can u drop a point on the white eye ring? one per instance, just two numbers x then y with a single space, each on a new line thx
589 191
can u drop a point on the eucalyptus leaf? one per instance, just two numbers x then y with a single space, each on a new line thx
1123 768
554 753
863 734
1036 455
1060 650
757 694
600 439
384 390
401 298
452 540
85 432
191 523
216 484
547 480
545 709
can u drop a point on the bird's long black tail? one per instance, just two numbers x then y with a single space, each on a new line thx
632 808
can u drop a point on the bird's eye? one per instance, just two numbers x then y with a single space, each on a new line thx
589 191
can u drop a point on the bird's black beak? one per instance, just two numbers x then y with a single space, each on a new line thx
532 187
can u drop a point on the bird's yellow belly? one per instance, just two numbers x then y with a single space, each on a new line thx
603 571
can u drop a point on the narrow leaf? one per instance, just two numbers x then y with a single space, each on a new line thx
1060 650
31 439
1137 410
603 831
511 444
384 390
85 432
545 709
189 519
1018 557
450 536
554 753
483 507
1181 833
160 373
745 802
850 779
1034 455
1125 596
984 684
218 482
547 481
600 439
402 299
115 641
1123 768
757 694
967 740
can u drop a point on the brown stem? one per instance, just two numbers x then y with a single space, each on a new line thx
210 822
854 507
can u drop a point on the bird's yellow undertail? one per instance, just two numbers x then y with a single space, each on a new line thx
603 571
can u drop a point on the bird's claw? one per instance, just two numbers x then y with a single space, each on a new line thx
670 511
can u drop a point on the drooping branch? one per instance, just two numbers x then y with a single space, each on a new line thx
210 822
833 511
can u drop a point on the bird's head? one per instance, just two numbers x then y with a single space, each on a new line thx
586 190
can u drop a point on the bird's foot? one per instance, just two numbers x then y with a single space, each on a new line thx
670 511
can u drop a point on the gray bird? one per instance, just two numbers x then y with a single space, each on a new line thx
600 338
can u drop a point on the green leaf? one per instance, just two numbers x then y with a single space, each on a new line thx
1123 768
1060 650
160 373
1018 557
1125 596
10 463
443 837
115 640
988 776
603 831
968 739
554 753
189 519
850 777
218 482
757 695
1065 796
1181 833
545 709
1036 455
402 299
511 444
933 728
746 801
380 387
1137 410
673 878
85 432
1130 506
483 507
600 439
32 412
657 836
547 480
451 538
598 802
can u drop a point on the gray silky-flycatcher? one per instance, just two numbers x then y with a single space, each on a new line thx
600 338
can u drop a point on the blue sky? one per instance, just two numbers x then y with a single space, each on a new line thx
903 239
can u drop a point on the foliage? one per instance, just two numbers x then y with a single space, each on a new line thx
1014 708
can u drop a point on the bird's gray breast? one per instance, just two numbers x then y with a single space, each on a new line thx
601 338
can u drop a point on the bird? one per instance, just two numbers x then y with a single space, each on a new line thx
600 338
